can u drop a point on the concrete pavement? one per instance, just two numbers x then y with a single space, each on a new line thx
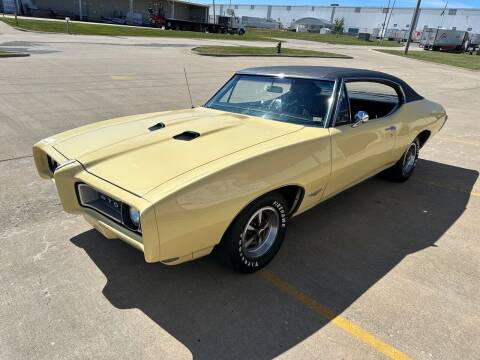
401 261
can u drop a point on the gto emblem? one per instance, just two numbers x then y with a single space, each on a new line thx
110 201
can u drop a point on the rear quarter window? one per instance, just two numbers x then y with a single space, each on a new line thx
375 98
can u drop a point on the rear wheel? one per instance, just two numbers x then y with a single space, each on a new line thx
404 167
256 234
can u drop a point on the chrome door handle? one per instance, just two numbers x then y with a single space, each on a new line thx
391 128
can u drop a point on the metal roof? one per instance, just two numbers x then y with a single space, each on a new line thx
330 73
312 21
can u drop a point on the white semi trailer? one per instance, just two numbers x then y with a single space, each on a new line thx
444 40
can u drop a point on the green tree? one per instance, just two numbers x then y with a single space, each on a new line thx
338 26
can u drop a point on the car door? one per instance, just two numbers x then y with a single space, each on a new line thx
361 149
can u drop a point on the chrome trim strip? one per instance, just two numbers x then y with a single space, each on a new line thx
337 102
331 111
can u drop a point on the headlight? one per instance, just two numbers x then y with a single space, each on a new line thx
134 216
131 218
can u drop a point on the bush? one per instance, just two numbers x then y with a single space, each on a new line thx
338 26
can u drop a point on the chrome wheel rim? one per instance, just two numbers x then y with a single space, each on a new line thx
410 159
260 232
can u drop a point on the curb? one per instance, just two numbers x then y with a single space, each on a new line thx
285 56
274 55
11 55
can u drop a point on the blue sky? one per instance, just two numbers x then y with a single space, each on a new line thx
402 3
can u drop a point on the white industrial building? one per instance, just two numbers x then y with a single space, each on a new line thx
357 19
363 18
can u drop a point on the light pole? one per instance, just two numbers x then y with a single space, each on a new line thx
413 25
333 12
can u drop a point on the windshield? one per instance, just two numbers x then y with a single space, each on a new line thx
302 101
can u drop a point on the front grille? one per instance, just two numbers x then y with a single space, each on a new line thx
106 205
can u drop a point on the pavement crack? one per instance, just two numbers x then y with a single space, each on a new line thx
16 158
48 245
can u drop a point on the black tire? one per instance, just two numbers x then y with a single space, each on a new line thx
235 252
400 172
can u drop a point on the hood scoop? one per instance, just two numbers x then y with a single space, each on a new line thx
187 136
157 126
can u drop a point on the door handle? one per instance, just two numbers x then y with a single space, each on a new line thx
391 128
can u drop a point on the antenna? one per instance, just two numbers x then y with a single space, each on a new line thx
188 87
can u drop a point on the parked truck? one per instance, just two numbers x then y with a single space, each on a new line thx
396 35
184 16
444 40
474 43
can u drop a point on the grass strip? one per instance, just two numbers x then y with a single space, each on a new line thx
263 51
464 60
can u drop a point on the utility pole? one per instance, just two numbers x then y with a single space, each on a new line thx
214 16
80 10
16 12
443 14
382 34
413 25
388 22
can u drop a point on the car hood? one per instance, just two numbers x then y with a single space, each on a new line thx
127 153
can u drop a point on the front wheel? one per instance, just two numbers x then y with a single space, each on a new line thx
256 235
404 167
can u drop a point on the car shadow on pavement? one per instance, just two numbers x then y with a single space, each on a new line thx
334 253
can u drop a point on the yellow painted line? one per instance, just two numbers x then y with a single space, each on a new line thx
334 318
122 77
451 188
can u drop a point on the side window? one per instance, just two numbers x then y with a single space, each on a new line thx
343 113
376 99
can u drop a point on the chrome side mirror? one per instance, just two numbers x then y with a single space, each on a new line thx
361 117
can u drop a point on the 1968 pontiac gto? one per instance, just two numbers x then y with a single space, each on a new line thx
270 144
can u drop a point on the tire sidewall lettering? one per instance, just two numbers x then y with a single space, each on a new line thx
281 212
255 263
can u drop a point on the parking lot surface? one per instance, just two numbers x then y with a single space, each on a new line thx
381 270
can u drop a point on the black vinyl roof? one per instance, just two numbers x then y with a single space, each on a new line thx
331 73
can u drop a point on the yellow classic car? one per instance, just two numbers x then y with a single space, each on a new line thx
226 177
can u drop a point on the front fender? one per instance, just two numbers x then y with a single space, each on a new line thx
195 210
